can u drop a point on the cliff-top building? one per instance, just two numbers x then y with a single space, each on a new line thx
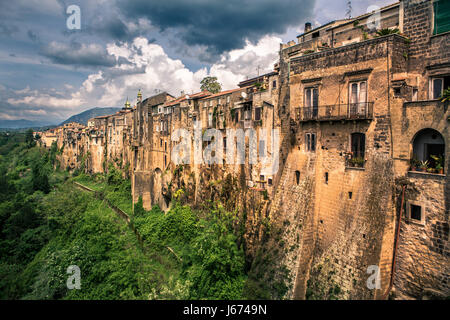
361 188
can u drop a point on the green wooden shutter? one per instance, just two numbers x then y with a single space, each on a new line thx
441 16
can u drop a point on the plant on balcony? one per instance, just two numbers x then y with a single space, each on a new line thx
414 164
439 163
423 166
308 51
357 162
446 95
387 31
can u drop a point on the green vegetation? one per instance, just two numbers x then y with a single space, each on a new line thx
446 95
48 224
210 84
387 31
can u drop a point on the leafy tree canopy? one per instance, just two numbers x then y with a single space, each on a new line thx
210 84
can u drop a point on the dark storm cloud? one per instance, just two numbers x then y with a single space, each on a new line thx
33 36
220 25
7 30
78 54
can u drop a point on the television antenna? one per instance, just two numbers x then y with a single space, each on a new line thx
349 9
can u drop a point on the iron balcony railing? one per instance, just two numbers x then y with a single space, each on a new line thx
352 111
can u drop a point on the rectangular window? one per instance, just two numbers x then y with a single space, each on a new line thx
310 139
210 103
357 98
438 85
236 115
415 94
247 113
441 16
274 84
311 102
210 119
415 212
228 99
257 114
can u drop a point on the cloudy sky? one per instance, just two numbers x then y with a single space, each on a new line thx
49 72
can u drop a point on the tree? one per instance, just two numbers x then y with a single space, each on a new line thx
210 84
29 138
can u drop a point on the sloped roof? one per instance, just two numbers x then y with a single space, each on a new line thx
157 99
197 95
215 95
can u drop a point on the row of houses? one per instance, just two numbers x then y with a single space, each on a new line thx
362 156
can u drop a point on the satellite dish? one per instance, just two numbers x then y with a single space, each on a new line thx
187 96
244 95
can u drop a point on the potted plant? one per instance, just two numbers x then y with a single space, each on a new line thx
446 96
439 163
414 164
430 170
423 166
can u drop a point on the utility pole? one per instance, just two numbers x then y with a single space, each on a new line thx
257 69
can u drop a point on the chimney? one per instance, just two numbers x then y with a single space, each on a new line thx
308 27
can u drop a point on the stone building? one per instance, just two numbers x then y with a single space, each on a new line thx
354 113
360 197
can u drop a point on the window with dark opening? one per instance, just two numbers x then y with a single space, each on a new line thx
326 177
428 152
257 114
297 177
438 85
358 145
310 142
316 34
350 194
416 212
269 181
274 84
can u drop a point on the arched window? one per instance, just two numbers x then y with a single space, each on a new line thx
428 151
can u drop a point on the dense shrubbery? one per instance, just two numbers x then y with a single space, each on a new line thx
46 225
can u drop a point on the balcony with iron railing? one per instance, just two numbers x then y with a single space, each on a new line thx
336 112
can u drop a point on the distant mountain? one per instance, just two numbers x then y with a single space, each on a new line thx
84 116
22 123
